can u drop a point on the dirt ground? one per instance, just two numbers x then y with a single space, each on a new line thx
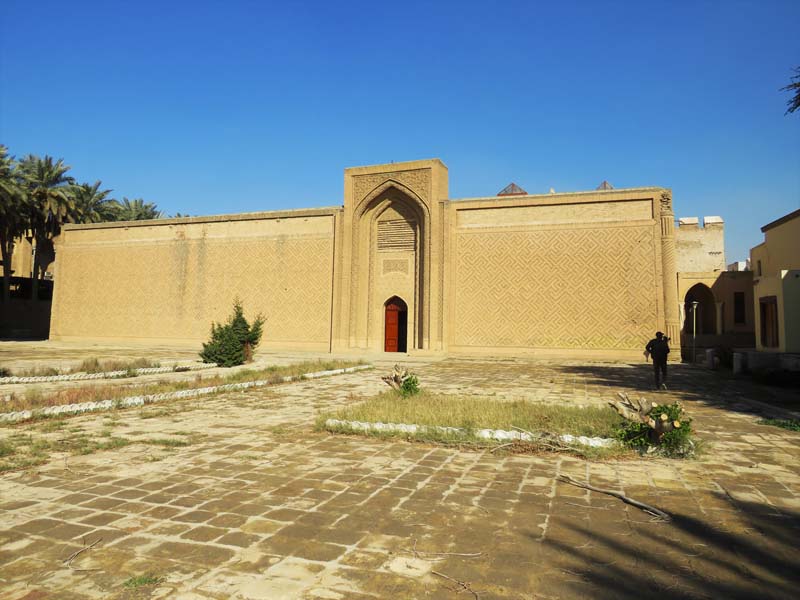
256 505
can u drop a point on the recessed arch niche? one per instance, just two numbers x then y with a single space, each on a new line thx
391 238
703 320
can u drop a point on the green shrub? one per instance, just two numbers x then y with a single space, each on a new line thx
233 343
410 386
677 443
790 424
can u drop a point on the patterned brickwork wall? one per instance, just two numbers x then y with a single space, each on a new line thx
577 288
170 282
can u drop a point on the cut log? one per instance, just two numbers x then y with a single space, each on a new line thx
633 410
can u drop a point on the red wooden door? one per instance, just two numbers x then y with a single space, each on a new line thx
392 328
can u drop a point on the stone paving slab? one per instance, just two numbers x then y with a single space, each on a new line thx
259 506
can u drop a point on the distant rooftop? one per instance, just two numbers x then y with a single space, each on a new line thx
512 189
782 220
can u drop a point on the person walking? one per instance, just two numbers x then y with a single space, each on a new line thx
658 349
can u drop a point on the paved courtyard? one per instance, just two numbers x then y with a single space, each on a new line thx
257 505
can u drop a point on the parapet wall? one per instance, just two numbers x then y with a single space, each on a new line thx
700 249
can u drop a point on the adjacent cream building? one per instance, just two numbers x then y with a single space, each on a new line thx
776 291
400 266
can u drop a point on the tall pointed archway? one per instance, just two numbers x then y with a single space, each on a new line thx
391 241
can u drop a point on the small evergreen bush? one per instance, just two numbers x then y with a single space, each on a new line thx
233 343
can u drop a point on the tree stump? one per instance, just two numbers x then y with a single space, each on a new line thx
396 378
638 411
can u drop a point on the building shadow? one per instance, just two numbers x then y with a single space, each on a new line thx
25 319
748 551
689 383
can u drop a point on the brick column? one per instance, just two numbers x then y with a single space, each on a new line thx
669 270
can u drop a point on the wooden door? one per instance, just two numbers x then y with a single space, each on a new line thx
392 335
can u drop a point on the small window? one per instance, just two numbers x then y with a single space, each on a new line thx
738 308
758 268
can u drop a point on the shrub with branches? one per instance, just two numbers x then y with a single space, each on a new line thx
656 428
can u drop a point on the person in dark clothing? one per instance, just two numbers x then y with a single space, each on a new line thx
658 348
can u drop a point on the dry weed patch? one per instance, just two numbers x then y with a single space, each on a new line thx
36 398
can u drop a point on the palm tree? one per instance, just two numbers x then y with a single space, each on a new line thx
49 203
137 210
92 205
794 101
12 222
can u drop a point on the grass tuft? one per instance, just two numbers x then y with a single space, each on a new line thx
6 449
142 580
167 442
95 365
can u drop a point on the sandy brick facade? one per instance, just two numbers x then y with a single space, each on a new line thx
588 272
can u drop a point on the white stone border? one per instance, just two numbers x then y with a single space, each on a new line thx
67 409
486 434
106 374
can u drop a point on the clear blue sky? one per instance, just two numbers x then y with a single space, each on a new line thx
217 107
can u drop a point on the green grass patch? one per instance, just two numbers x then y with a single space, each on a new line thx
6 449
154 414
23 450
790 424
142 580
20 463
471 413
51 425
35 398
278 429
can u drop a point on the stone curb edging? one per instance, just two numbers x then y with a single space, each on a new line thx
105 374
486 434
66 409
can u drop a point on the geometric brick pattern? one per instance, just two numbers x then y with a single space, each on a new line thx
563 288
417 180
175 289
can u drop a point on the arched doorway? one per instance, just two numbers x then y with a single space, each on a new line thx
396 325
705 317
